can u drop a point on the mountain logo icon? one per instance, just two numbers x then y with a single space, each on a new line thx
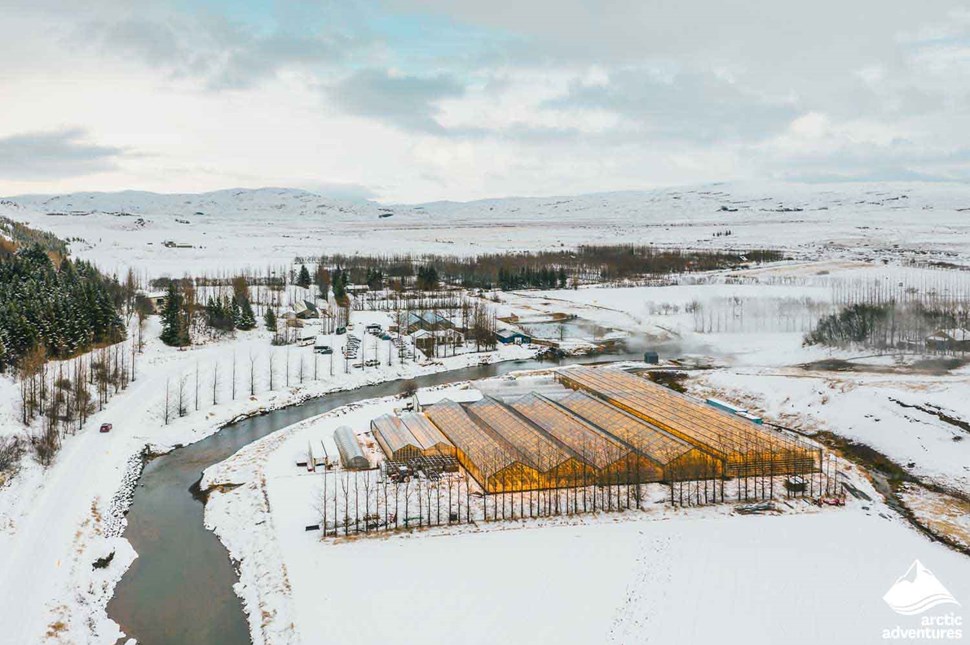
916 591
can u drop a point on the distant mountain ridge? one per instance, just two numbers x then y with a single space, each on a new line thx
169 233
134 202
724 198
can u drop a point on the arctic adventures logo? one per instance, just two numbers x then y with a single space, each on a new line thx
913 594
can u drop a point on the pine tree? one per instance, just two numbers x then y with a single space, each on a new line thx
219 315
65 306
243 314
175 328
269 318
339 283
304 278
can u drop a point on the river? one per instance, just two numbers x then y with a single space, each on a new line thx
179 589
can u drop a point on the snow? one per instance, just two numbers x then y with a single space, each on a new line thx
907 219
803 576
807 575
54 523
863 407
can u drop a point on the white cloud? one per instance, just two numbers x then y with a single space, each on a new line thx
458 99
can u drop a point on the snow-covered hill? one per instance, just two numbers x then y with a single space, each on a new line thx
238 228
216 203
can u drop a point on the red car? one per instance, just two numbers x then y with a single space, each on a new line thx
105 427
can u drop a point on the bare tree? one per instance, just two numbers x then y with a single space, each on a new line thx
252 374
167 408
182 387
272 368
215 383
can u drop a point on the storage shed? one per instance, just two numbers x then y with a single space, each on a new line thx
512 337
351 454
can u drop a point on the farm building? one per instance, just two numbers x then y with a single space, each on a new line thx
428 436
351 454
614 462
409 436
490 461
949 340
743 447
675 458
394 438
512 337
155 298
556 465
430 342
304 309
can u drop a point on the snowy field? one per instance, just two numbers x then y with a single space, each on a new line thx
54 523
215 231
667 577
881 411
660 575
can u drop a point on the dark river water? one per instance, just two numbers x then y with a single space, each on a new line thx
179 589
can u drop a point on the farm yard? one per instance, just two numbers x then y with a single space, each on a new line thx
311 587
766 404
418 322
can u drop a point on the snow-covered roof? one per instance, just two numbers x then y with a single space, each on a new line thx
430 397
424 333
956 333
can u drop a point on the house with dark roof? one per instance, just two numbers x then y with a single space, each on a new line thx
512 337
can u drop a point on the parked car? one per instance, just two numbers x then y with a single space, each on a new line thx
341 330
372 362
323 349
105 427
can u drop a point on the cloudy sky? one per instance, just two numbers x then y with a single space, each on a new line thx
419 100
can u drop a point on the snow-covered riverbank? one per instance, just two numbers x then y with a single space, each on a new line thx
635 576
56 522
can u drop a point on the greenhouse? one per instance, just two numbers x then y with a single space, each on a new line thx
394 438
409 436
614 461
556 466
493 463
429 438
744 447
351 454
675 458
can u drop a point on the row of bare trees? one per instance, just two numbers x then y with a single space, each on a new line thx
246 375
62 395
355 502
